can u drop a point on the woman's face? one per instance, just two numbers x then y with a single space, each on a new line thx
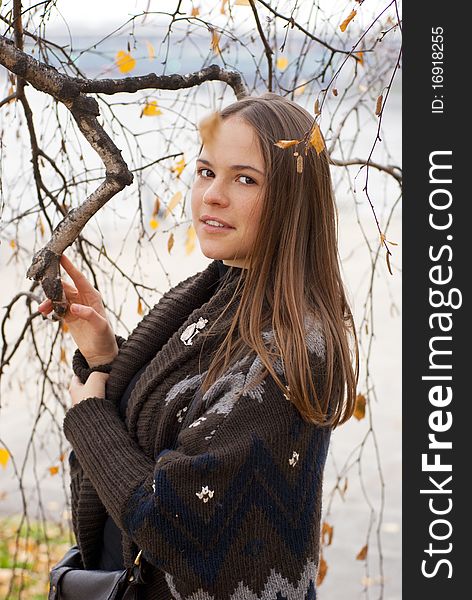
228 186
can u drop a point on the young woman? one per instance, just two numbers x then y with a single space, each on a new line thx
201 439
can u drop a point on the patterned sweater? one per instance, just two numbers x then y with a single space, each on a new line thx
226 502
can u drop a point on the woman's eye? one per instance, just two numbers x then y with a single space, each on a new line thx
247 177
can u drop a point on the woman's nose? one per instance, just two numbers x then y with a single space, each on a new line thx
215 194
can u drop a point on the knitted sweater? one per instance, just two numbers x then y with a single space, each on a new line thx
226 504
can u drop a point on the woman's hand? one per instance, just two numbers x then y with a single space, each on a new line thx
86 318
93 387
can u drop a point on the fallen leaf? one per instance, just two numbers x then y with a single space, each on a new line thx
282 63
179 167
170 243
327 530
316 139
176 198
151 109
190 241
4 457
215 41
322 570
359 410
208 127
124 61
346 22
286 143
361 555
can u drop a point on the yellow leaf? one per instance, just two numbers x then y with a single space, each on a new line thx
176 198
151 109
124 61
282 63
362 553
359 410
170 243
41 226
215 41
378 106
53 470
322 570
4 457
360 56
316 139
63 355
179 167
151 51
140 307
153 223
12 244
286 143
327 531
346 22
195 11
190 241
242 3
208 127
157 205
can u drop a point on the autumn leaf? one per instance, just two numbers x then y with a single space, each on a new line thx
151 51
335 91
12 244
327 531
215 41
208 127
53 470
242 3
383 239
322 570
41 226
140 307
190 241
153 223
4 457
179 167
346 22
282 63
222 8
362 553
170 243
359 410
195 11
62 456
317 107
316 139
286 143
63 355
176 198
151 109
378 106
157 205
360 57
300 90
124 61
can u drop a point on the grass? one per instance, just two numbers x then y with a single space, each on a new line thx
27 552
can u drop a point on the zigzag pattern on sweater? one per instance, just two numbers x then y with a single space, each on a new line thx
276 588
259 482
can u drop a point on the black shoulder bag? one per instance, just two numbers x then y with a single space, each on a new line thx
68 580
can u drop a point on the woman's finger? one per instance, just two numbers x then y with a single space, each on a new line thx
81 282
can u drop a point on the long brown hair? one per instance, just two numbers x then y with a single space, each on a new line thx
293 271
